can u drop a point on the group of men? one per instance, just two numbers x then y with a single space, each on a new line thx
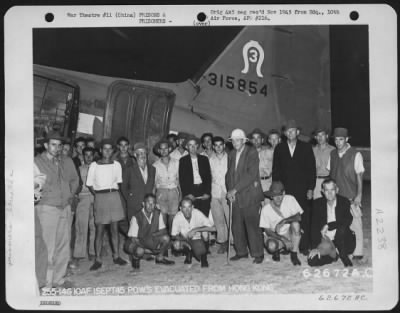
287 197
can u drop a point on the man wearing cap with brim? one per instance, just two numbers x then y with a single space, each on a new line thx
346 168
322 151
280 220
265 154
141 179
54 209
103 179
294 166
180 150
167 181
245 193
331 236
195 176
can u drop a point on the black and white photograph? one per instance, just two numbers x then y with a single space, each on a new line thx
199 160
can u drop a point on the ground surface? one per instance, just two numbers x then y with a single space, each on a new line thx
241 277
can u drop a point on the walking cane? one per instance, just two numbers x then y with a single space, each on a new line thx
229 233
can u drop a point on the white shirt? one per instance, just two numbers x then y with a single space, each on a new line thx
331 217
219 167
266 156
182 226
358 161
104 176
177 155
38 177
269 218
134 227
167 176
144 173
204 152
196 174
291 149
238 153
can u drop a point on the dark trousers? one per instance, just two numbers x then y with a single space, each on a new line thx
154 244
198 247
202 205
344 241
246 230
305 223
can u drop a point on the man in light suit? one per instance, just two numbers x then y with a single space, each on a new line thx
245 193
141 180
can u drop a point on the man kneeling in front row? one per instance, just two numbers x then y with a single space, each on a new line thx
331 236
148 234
190 231
280 220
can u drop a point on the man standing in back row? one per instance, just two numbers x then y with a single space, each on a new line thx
347 168
294 166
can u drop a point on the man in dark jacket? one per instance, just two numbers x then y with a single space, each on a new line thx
331 220
141 180
245 193
294 165
195 176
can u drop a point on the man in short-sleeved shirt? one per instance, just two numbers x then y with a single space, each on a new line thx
190 230
347 169
281 221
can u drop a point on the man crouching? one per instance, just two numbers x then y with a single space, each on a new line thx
148 234
190 231
281 221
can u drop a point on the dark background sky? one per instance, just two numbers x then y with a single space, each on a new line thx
185 52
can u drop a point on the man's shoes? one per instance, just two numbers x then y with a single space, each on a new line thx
188 259
177 253
212 242
165 261
276 256
66 284
238 257
346 261
96 265
136 263
203 260
258 259
120 261
284 251
295 260
223 247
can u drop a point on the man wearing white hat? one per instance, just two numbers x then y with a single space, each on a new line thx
245 193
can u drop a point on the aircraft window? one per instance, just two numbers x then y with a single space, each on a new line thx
51 100
120 115
138 121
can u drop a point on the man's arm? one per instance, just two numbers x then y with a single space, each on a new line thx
195 230
294 218
272 234
73 174
252 170
276 161
358 198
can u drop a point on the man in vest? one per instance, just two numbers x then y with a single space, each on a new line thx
147 231
347 169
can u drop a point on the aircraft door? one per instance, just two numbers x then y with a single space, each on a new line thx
141 113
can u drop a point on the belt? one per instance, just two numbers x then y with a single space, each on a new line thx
106 190
265 177
323 176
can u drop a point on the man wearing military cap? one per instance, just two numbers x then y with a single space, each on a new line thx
167 181
280 220
294 166
54 209
245 193
347 168
265 154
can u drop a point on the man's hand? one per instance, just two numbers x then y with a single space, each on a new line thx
231 195
324 230
279 226
191 197
190 234
313 253
310 194
205 197
357 200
